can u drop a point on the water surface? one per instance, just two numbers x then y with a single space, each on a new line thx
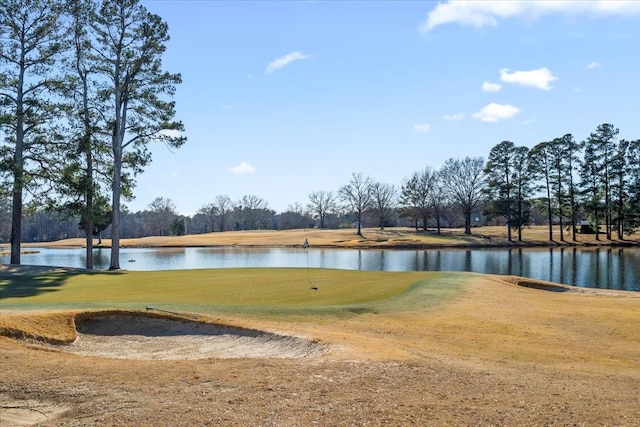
607 268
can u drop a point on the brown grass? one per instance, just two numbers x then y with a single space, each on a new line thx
497 354
396 237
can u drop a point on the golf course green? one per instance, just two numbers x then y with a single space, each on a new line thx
263 291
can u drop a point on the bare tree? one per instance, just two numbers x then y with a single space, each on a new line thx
356 196
253 213
437 198
208 212
224 207
383 201
415 196
160 216
463 180
322 203
293 217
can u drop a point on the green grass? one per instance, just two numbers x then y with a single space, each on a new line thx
260 291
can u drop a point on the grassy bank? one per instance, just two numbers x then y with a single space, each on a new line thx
397 237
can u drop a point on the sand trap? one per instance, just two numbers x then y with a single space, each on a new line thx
28 412
135 336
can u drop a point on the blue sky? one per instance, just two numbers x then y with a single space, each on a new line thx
280 99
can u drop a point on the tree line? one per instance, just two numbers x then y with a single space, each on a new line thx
592 186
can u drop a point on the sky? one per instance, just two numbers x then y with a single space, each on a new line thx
283 98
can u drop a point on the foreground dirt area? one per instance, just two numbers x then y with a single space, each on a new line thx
500 354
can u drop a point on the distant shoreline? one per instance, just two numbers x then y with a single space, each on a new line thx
400 238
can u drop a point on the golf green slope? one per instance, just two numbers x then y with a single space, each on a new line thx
247 291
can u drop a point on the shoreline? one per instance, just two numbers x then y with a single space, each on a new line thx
391 238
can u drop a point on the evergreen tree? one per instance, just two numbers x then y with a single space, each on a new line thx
619 190
557 173
603 143
83 177
633 178
499 172
30 47
540 168
591 185
522 189
127 56
571 159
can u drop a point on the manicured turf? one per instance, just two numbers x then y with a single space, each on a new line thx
253 290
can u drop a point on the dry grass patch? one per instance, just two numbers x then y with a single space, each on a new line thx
394 237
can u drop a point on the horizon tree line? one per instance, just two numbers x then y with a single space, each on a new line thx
565 180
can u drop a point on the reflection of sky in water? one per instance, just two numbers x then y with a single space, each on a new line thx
612 268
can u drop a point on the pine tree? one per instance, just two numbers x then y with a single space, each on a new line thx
127 56
30 47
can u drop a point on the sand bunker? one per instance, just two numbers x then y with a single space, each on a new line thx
134 336
28 412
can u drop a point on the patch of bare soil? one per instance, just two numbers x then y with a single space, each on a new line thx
30 412
127 336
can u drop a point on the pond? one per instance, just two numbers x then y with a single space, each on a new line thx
607 268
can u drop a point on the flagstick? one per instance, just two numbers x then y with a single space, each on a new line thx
305 245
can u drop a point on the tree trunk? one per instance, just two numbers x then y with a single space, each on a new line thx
437 213
549 213
18 174
115 222
89 251
16 222
509 237
467 223
519 218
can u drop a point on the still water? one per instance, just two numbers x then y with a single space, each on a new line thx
607 268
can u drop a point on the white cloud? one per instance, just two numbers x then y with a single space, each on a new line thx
424 128
495 112
481 13
452 117
171 133
276 64
539 78
593 65
242 168
491 87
